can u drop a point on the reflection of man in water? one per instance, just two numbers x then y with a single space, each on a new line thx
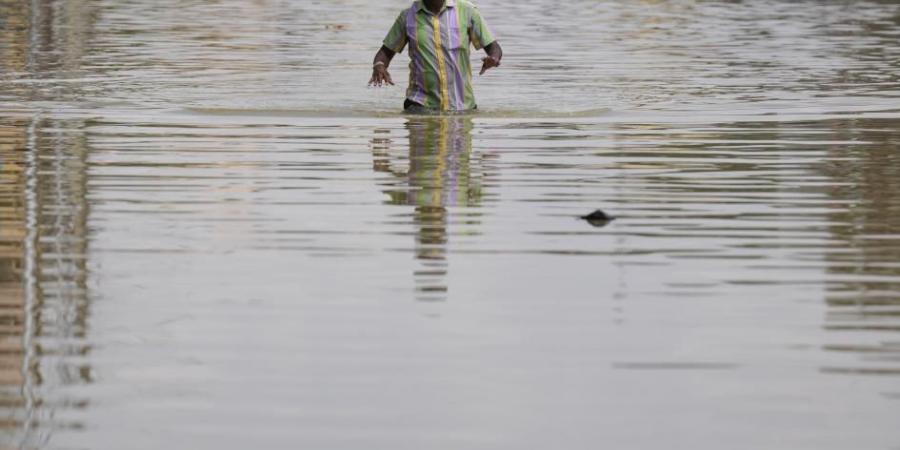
439 171
438 33
439 175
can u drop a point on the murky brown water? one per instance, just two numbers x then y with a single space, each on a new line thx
213 235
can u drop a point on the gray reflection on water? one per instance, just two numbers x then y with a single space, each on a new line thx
864 263
699 314
435 177
43 277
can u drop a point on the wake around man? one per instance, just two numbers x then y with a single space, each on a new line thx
439 34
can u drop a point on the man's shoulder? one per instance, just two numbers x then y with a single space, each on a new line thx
466 4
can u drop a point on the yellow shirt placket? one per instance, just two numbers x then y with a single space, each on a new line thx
442 65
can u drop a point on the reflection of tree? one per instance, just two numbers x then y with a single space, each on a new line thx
437 175
43 225
12 236
43 275
864 291
45 39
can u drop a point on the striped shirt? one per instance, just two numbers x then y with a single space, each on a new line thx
440 73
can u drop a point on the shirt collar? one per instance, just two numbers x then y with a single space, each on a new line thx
447 4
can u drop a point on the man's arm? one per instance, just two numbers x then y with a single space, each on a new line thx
380 75
393 43
481 37
494 55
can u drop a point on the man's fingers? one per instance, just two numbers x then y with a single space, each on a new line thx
488 64
377 80
381 78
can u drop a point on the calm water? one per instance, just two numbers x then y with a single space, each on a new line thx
213 235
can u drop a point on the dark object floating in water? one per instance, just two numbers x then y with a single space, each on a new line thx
598 218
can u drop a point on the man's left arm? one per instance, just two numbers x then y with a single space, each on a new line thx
482 37
494 55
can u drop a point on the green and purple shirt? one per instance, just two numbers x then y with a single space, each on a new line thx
440 72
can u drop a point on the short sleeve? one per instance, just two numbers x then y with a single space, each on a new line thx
479 33
396 38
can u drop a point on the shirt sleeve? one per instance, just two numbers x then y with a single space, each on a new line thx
479 33
396 38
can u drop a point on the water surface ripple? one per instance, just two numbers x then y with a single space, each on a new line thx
213 235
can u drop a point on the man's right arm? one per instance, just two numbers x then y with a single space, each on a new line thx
380 74
393 44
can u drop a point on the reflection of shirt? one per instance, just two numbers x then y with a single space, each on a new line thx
439 163
440 73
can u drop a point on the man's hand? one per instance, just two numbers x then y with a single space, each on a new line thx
380 76
494 55
489 62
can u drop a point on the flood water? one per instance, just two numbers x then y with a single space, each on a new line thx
213 235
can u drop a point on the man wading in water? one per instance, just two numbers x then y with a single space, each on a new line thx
440 75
